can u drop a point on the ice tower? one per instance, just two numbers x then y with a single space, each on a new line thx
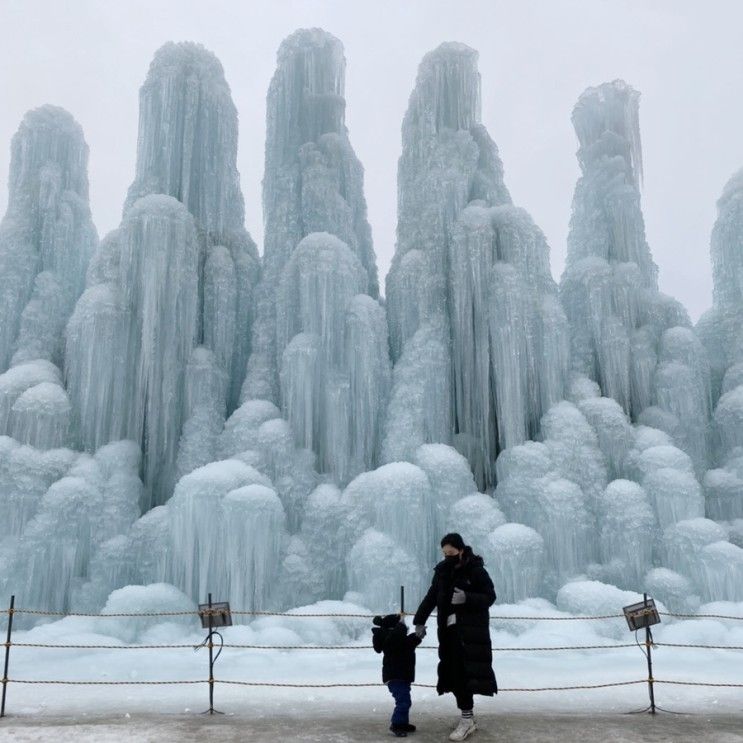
178 274
187 148
46 240
477 334
721 330
635 342
320 335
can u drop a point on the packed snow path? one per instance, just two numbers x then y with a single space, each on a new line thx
347 727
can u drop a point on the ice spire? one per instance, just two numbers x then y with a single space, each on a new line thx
320 337
187 148
313 182
479 340
720 327
131 337
46 240
627 336
721 331
207 265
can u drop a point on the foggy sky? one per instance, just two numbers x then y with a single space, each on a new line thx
536 58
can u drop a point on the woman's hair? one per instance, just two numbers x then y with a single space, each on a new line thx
454 540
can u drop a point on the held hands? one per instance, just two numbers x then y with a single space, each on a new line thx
459 597
420 630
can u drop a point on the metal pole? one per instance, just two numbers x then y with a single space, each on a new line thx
402 599
211 660
648 646
7 654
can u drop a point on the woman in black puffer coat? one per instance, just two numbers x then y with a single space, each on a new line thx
461 592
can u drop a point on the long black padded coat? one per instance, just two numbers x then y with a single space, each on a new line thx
469 639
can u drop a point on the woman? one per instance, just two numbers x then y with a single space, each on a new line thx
461 592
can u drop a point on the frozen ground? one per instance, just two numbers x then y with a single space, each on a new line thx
349 727
170 712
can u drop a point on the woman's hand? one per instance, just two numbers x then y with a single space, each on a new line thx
420 630
459 597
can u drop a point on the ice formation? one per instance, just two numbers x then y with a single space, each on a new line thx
46 237
720 331
627 336
320 336
187 148
181 253
469 287
180 420
129 340
60 506
46 240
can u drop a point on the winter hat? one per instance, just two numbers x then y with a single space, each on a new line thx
388 622
454 540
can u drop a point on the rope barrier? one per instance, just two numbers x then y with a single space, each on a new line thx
493 617
93 647
107 683
706 647
211 681
697 683
429 686
302 647
570 688
699 616
41 612
369 685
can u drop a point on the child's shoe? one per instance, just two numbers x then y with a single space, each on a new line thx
464 729
410 728
399 731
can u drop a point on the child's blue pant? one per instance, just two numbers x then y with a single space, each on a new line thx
400 690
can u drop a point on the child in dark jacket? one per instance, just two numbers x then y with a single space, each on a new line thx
391 638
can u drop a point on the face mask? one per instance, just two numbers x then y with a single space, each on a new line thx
451 559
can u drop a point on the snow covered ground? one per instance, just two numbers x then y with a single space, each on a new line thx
356 663
349 725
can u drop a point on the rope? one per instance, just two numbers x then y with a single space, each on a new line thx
429 686
106 683
709 647
309 647
559 619
206 612
302 686
39 612
257 613
699 616
423 647
570 688
698 683
91 647
368 685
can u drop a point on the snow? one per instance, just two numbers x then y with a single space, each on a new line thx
514 667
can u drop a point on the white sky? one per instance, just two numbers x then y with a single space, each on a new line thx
536 57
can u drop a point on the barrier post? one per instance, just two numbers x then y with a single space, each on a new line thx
211 658
7 654
648 647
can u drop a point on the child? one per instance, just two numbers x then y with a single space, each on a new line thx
390 637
